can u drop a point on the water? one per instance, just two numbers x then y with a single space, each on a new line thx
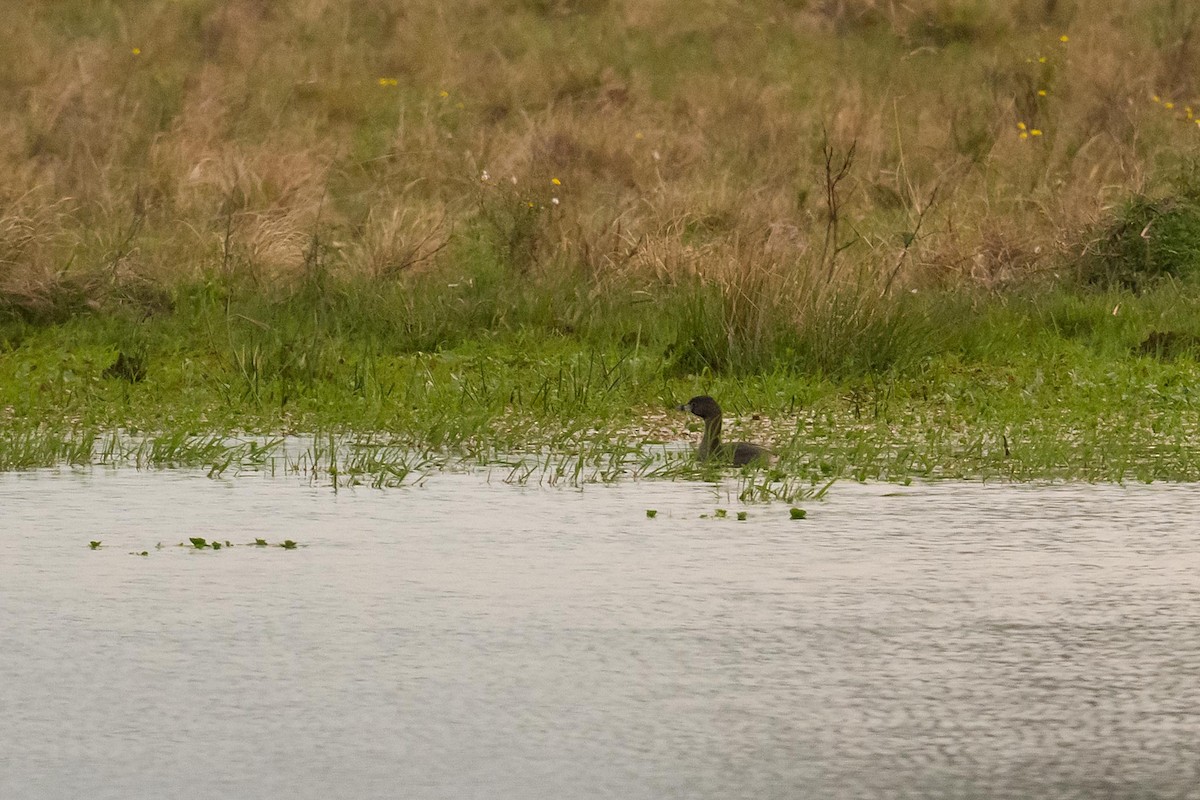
467 639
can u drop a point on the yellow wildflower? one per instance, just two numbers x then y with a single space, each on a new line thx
1023 135
1041 59
137 51
556 181
1020 126
1168 105
443 93
1041 92
1064 38
388 82
1035 132
1156 98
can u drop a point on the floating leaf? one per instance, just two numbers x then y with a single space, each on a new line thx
798 513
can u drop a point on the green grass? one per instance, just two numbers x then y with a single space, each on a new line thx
1023 386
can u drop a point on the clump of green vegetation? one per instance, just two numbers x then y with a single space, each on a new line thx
651 513
94 545
1170 345
131 368
797 513
1150 240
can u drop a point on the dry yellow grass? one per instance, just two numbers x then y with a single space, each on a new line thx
160 141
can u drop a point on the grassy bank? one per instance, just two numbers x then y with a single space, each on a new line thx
918 240
1049 385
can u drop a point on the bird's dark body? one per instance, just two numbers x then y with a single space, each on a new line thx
711 447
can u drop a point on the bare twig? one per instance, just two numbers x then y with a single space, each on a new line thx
836 171
125 246
417 252
910 239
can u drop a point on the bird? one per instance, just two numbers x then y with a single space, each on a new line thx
711 447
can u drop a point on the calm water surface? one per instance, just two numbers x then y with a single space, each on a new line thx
467 639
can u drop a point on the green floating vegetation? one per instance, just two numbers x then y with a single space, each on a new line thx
741 515
651 513
797 513
720 513
94 545
200 543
